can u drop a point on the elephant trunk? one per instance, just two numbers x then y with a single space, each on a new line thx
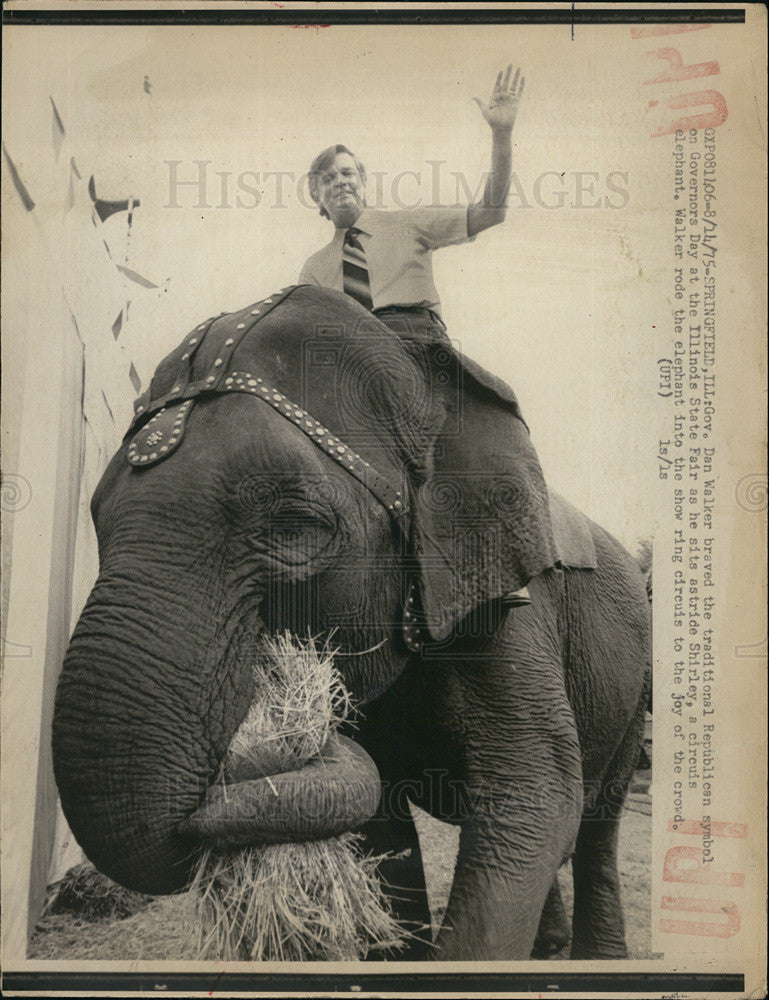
336 791
137 740
123 799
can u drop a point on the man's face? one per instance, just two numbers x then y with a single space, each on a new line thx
341 192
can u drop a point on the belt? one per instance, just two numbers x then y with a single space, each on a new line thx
414 310
413 323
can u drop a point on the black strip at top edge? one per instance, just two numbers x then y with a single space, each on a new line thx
401 15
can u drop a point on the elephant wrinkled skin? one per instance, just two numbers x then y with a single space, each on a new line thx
523 726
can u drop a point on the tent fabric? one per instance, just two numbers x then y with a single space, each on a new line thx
46 404
68 383
18 183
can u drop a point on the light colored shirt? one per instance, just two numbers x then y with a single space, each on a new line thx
399 248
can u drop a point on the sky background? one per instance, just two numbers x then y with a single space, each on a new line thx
564 302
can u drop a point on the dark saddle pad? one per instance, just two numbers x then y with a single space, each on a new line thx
491 382
573 537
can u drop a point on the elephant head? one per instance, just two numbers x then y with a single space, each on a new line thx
292 467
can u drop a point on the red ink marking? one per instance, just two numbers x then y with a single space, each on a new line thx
666 29
677 71
693 865
696 828
687 864
701 928
711 119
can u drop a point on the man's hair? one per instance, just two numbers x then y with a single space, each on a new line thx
321 163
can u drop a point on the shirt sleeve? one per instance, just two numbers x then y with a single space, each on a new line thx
439 226
306 277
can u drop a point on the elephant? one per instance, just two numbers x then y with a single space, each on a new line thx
296 466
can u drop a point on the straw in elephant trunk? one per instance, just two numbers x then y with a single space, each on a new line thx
299 701
315 900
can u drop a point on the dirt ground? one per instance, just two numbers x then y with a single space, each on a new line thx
163 930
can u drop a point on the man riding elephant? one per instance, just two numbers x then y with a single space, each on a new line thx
392 249
383 259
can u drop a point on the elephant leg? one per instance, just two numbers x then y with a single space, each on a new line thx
403 879
494 908
598 924
522 794
554 932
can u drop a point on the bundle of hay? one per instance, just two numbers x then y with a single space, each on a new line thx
310 901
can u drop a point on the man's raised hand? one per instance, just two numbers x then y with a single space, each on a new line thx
502 107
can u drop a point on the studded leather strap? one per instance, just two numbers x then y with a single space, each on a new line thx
413 632
238 324
385 492
163 432
160 436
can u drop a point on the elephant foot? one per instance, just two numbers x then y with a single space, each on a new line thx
554 934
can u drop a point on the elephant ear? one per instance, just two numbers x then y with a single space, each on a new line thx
480 519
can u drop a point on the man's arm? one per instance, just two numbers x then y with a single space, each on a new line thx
500 112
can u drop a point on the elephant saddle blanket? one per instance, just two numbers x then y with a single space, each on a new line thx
573 537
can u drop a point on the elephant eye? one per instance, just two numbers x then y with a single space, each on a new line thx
288 496
301 542
293 533
299 516
292 522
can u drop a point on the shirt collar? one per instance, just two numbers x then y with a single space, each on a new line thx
362 223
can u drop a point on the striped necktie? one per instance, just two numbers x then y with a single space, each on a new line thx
354 271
